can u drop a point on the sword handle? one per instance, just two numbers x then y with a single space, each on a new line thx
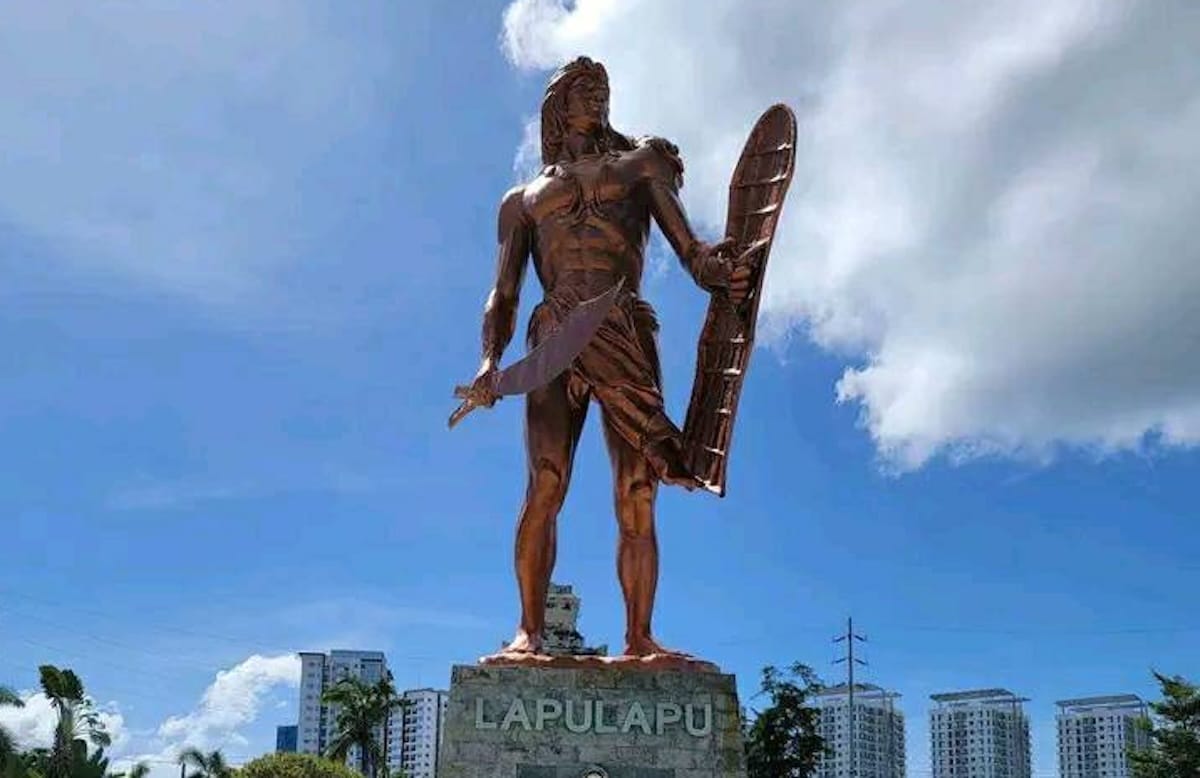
467 405
470 401
460 413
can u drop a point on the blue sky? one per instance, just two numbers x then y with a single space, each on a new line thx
243 274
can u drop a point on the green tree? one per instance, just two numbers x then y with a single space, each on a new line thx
1174 749
782 739
8 745
210 765
78 720
295 766
138 770
39 763
85 765
362 710
34 763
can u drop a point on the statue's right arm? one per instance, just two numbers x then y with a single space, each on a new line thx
500 312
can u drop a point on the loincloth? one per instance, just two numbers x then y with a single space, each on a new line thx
619 368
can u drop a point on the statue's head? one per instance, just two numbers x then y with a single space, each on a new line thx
577 101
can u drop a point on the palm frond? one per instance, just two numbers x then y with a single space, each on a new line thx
346 691
339 747
217 766
60 685
8 747
193 757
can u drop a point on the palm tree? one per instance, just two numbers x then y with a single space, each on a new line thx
34 763
85 766
8 746
362 710
210 765
137 770
78 720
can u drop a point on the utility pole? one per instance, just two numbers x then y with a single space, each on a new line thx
850 661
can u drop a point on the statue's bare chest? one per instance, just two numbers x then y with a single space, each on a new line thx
595 186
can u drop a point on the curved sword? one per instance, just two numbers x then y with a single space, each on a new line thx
547 360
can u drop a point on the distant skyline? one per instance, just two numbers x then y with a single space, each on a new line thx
246 249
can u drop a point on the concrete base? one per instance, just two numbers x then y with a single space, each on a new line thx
619 721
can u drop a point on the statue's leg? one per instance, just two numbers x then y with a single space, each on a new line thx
635 488
554 416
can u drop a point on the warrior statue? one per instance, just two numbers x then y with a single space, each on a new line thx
584 221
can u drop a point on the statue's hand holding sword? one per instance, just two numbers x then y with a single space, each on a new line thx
543 363
480 393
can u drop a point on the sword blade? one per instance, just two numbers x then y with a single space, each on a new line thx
558 350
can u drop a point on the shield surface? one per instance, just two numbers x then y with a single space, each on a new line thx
756 193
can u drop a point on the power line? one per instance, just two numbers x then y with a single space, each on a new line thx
75 631
109 616
254 644
257 644
75 655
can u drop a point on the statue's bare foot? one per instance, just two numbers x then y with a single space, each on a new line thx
524 643
645 645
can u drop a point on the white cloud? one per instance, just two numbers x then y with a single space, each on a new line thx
230 703
33 724
169 144
992 213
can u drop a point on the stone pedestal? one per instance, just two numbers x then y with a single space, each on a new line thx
602 722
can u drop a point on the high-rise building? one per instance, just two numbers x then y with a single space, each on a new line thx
415 733
878 733
285 739
979 734
318 720
1096 735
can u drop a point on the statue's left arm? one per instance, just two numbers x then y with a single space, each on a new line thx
662 171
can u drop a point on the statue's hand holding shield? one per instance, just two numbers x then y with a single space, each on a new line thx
720 273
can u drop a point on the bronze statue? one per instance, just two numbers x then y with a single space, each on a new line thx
585 220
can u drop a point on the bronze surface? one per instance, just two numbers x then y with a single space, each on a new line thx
584 222
756 193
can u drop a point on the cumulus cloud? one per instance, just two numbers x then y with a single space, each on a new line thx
231 702
33 724
990 221
169 144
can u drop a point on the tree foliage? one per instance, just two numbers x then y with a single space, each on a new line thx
782 739
77 727
295 766
1174 749
8 745
78 721
210 765
362 710
138 770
